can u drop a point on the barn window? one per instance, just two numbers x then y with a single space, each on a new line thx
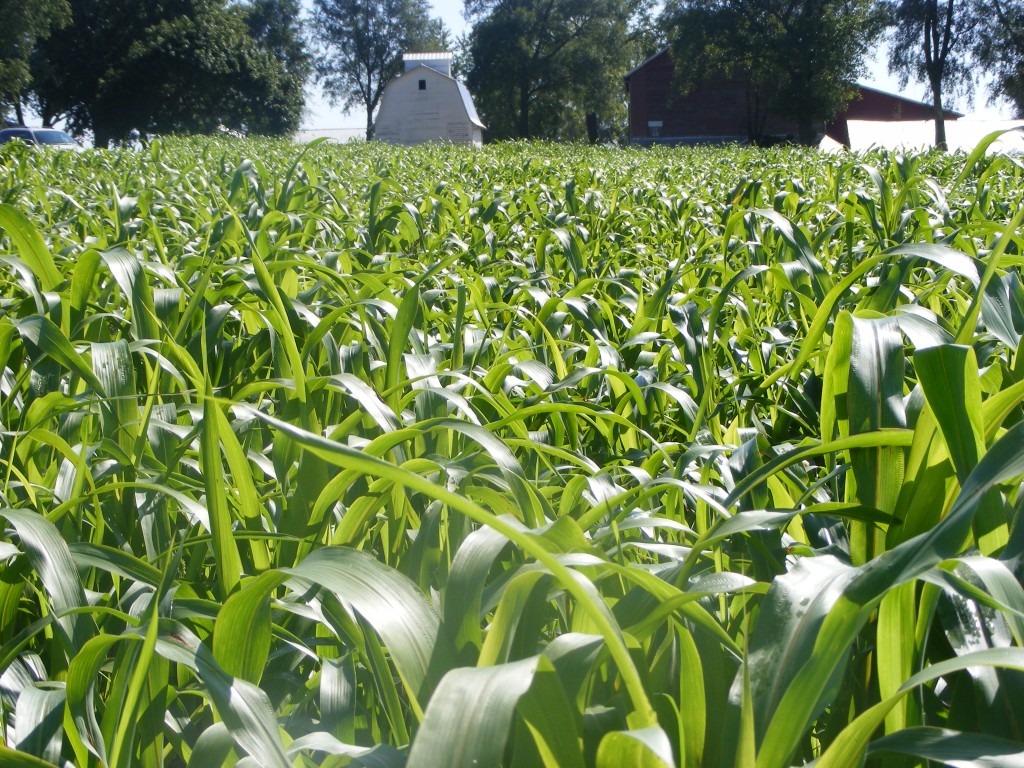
654 129
423 85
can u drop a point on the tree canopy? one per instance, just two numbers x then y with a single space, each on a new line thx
800 58
536 67
183 65
24 23
999 49
930 42
360 46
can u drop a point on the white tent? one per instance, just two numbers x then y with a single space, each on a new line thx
963 135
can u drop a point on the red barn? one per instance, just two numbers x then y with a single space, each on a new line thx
717 111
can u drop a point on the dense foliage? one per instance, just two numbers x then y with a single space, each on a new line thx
552 69
801 59
530 456
24 24
122 66
999 49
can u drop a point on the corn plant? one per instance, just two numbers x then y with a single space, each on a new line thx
536 455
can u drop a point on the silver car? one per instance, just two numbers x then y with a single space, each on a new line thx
49 137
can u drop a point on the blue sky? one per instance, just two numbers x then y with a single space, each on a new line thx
320 115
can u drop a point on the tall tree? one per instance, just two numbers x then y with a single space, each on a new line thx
180 65
999 49
361 43
930 42
800 58
24 22
538 68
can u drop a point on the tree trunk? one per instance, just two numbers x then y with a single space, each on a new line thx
523 129
805 126
369 125
592 127
18 113
940 118
100 137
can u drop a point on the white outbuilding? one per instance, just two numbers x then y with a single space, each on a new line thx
425 103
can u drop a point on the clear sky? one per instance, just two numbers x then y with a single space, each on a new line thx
320 115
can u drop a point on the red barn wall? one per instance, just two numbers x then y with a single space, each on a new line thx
712 108
718 108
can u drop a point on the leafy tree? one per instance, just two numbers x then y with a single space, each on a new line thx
800 58
999 49
181 65
361 46
930 42
24 22
276 27
537 67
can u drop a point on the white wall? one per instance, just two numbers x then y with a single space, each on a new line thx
408 115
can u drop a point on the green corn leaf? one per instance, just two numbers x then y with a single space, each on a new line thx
849 747
952 748
225 548
242 632
552 720
643 748
29 243
39 721
950 380
389 601
127 271
16 759
245 709
52 342
468 719
51 560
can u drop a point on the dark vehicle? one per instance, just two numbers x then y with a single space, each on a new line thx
48 137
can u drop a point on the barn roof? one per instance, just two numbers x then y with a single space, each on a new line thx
645 62
904 100
467 99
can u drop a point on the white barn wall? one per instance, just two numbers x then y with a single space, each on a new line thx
408 115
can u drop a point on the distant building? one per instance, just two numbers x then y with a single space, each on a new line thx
425 103
716 111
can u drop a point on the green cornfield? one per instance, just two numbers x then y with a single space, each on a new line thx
531 456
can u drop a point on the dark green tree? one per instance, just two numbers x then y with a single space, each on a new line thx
360 47
181 65
550 68
931 42
999 49
800 58
23 23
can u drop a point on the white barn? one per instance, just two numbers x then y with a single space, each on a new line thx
425 103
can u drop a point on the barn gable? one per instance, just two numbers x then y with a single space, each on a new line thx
425 103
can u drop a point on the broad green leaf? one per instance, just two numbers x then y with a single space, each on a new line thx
15 759
52 342
38 721
242 632
642 748
225 548
389 601
29 243
127 271
468 719
52 561
952 748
